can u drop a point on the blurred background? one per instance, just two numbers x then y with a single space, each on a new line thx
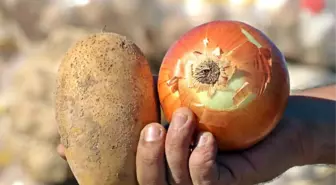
34 34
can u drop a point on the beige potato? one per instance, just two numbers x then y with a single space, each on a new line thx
104 96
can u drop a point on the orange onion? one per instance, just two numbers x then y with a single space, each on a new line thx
232 76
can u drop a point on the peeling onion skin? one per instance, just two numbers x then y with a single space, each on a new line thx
232 76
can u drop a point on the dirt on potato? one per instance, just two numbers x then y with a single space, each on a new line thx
105 95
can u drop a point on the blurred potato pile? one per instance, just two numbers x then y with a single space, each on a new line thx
35 34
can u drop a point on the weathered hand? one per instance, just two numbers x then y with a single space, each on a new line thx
282 149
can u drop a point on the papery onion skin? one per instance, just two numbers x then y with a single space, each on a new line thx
246 59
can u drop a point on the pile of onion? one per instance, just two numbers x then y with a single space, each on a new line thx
232 76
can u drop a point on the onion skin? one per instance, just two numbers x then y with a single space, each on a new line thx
252 70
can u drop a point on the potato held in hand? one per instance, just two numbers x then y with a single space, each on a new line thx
105 95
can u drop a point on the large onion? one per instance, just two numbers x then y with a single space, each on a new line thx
231 76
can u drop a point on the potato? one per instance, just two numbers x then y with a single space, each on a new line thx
105 95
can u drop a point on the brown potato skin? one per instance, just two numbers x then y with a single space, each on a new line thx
105 95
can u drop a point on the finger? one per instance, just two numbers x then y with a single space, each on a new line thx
150 164
179 137
61 151
202 163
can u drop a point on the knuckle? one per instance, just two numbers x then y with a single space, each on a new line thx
149 159
176 141
150 154
202 158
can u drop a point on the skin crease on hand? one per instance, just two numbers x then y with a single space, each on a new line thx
305 135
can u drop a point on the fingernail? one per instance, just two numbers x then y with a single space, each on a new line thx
152 134
179 119
203 139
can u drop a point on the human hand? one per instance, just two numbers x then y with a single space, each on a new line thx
204 165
